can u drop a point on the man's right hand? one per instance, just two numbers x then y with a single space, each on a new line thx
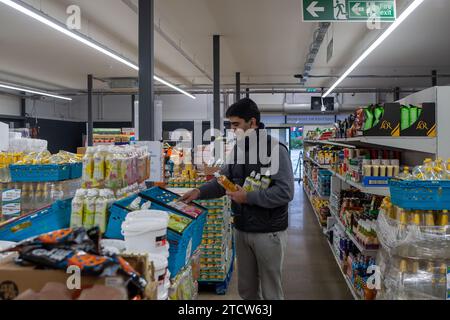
190 196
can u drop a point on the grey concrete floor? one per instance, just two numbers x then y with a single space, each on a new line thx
310 271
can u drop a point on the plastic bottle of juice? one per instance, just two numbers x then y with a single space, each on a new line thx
266 181
88 167
256 184
123 168
77 215
225 182
447 169
405 175
101 210
112 169
249 182
27 198
429 219
39 196
89 208
98 172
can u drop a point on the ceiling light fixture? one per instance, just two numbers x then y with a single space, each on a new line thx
414 5
41 93
56 25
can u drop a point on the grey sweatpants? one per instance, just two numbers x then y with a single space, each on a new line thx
260 260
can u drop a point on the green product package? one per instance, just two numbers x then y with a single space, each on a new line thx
413 115
178 223
368 123
404 118
378 113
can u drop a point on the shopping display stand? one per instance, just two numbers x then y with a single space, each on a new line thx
218 248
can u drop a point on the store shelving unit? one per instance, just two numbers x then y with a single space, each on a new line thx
329 142
316 189
321 166
361 248
419 144
355 294
314 209
379 191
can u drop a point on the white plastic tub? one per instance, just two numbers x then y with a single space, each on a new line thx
161 271
145 236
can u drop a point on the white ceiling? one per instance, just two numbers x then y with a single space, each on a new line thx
265 40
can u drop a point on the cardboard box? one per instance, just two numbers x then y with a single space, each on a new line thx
15 280
389 124
425 126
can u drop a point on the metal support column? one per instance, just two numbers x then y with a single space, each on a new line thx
397 94
90 138
247 93
434 78
133 111
23 109
146 70
216 85
237 96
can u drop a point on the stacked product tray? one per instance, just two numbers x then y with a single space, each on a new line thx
217 243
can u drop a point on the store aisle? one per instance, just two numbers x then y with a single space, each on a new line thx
310 271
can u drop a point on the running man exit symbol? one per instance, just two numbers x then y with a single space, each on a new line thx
340 10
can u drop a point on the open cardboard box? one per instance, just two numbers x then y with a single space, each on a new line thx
15 280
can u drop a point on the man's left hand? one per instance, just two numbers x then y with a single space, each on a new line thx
239 196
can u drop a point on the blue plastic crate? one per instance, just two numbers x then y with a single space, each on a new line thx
182 246
76 170
52 218
420 195
40 173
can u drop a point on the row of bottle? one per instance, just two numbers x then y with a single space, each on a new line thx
90 208
429 171
115 167
7 158
36 195
421 218
256 182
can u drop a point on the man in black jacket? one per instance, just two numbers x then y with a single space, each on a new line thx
260 217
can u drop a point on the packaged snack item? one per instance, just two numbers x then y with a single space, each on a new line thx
178 223
135 205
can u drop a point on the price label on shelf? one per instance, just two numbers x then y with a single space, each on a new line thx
11 203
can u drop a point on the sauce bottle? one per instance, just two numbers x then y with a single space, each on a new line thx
225 182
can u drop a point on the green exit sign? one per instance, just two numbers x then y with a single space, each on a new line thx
349 10
311 90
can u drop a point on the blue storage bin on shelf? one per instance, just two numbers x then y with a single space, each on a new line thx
181 245
76 170
420 195
52 218
40 173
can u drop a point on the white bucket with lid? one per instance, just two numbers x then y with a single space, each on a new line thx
164 294
161 265
148 214
146 235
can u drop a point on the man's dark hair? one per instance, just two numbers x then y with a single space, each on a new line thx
245 109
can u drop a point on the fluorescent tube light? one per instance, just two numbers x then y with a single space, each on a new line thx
173 87
41 93
392 27
59 27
